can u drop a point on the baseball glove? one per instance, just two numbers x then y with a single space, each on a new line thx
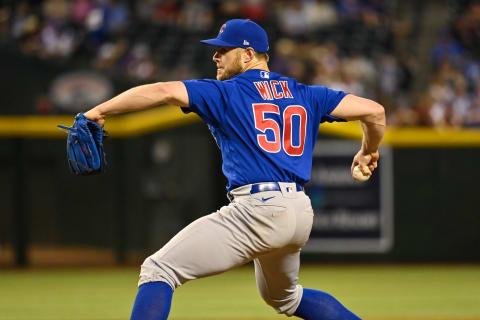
85 146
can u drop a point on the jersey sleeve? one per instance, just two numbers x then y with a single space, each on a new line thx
206 99
326 101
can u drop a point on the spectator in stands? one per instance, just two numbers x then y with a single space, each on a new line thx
80 11
461 103
110 54
196 16
473 117
468 24
166 13
447 48
145 40
141 65
319 14
291 18
20 20
256 10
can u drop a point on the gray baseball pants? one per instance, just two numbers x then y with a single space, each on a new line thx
268 227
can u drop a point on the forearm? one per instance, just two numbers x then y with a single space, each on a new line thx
373 126
371 115
135 99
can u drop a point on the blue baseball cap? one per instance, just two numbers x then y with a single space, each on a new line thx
241 33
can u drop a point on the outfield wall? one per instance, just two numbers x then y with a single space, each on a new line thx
166 173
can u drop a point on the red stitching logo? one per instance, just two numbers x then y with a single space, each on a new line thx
221 28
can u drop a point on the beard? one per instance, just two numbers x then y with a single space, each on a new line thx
232 70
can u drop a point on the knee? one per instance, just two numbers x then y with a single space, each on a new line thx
154 269
285 303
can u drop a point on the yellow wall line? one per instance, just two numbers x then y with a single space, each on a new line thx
165 117
128 125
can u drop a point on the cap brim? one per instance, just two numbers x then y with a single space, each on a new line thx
218 43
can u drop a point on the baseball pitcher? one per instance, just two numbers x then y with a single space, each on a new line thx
265 125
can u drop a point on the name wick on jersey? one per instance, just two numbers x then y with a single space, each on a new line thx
273 89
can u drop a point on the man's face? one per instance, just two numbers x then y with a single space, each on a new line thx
228 61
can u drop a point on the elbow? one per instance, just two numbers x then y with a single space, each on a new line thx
379 112
162 92
376 114
172 92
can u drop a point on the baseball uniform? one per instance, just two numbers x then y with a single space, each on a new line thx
266 126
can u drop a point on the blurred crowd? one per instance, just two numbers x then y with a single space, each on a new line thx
452 97
344 44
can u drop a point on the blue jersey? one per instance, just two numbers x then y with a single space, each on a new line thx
265 124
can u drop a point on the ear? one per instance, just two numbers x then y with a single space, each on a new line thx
249 55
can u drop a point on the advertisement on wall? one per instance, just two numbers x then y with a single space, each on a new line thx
350 216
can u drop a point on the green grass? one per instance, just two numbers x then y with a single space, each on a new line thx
374 292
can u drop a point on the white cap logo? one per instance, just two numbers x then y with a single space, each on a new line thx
246 43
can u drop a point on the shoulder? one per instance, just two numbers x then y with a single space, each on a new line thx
206 85
202 82
292 82
318 91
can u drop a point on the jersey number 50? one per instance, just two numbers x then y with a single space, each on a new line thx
262 124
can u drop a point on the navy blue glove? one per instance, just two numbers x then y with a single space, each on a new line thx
85 146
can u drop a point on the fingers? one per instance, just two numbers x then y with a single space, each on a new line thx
354 164
367 163
94 115
373 165
365 169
